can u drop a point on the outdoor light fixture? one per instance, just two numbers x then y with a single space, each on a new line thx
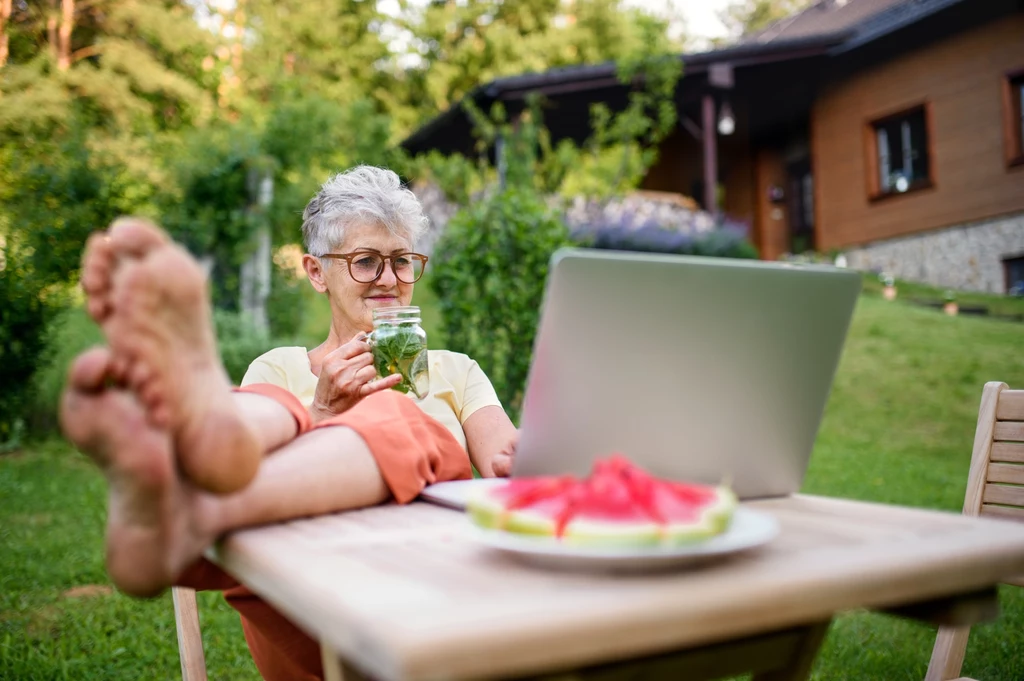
726 122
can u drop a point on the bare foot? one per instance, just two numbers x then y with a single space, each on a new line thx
151 300
157 524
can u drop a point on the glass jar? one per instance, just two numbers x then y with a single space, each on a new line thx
399 346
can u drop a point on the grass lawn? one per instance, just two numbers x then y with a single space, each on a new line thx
898 428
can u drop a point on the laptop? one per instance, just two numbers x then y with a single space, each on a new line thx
697 369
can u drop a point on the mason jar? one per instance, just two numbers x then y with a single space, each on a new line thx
399 346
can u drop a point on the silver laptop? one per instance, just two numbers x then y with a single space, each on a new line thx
699 369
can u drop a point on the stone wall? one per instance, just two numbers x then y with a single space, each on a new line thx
967 257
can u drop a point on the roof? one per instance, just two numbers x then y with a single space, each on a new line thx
825 28
822 17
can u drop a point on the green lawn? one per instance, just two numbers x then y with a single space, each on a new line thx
898 428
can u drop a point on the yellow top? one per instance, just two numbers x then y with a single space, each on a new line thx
458 386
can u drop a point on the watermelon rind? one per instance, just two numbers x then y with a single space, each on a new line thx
714 520
488 512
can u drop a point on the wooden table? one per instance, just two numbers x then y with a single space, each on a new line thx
406 594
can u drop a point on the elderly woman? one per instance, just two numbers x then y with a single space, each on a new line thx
359 231
188 457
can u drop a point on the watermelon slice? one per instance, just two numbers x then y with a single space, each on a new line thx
617 505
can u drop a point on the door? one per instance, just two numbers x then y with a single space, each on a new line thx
800 185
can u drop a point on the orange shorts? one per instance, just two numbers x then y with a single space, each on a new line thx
412 450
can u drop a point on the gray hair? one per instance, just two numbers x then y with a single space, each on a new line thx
361 195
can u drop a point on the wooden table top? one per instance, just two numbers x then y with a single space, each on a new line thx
406 593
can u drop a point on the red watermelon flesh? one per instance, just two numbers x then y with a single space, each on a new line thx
618 503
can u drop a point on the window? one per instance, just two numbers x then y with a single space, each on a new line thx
1013 116
900 153
1013 269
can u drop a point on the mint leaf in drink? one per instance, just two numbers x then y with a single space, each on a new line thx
402 350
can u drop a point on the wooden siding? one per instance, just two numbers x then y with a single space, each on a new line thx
961 82
772 232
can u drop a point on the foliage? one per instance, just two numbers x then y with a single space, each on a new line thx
53 196
25 311
742 17
61 192
124 65
491 266
239 342
70 332
456 46
286 303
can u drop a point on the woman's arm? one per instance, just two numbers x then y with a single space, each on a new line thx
491 439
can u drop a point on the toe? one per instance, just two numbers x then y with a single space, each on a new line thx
96 263
138 375
136 236
98 309
90 370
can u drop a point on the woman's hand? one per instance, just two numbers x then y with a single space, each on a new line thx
346 376
491 440
501 464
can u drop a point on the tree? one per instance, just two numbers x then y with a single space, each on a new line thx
124 65
749 16
5 15
453 47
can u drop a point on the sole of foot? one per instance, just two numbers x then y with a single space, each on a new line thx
153 305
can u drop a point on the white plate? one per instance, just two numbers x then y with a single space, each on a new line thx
749 529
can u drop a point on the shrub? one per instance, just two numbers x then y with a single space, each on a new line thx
24 315
70 333
286 304
239 342
491 266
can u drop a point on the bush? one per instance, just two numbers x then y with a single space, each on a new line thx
26 310
70 333
286 305
239 342
491 266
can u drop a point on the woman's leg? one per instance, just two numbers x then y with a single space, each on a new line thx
155 414
164 438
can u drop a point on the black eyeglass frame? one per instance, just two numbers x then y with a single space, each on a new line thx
384 261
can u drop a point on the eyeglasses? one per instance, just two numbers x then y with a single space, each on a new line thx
367 266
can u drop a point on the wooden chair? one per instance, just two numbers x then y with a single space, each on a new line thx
190 640
994 488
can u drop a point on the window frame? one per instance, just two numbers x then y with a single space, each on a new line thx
873 162
1007 262
1013 117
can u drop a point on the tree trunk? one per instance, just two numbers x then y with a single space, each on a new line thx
67 24
254 279
51 28
5 16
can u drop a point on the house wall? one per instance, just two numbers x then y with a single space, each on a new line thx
960 80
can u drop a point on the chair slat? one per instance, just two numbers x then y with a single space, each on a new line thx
1009 512
1010 406
1009 431
1004 494
1009 452
190 639
1011 473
